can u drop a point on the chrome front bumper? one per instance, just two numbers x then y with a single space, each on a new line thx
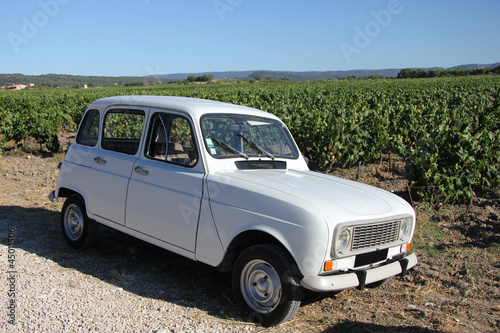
359 278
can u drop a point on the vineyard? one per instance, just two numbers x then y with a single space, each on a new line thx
447 130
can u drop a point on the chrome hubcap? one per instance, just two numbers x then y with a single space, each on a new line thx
73 222
260 286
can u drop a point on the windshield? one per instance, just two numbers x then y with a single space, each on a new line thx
245 136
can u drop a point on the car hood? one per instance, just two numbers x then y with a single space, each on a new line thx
339 200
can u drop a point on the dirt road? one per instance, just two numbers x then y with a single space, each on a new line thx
123 284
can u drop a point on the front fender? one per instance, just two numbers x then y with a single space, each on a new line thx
239 206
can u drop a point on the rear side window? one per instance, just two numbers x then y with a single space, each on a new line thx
171 140
89 129
122 131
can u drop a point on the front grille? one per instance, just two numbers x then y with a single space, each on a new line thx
375 235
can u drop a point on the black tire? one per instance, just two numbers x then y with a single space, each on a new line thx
78 230
266 284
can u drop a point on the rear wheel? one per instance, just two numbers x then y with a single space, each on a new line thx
266 284
78 230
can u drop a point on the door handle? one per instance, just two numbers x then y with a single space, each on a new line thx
140 171
100 160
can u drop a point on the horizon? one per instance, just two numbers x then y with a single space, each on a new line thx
260 70
150 37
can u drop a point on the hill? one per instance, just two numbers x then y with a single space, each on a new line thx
287 75
475 66
309 75
217 75
63 80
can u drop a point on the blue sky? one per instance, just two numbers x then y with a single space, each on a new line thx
144 37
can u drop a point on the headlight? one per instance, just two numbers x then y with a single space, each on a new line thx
343 240
404 229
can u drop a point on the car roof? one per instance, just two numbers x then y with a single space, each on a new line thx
197 107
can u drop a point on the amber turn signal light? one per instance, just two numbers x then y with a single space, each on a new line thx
328 265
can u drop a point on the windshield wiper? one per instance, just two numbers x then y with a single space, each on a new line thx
229 149
256 147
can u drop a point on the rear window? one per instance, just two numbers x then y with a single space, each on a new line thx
122 130
88 133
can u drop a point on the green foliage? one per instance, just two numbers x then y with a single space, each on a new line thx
76 81
446 129
204 78
455 147
422 73
40 116
123 125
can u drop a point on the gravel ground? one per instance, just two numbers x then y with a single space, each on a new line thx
125 285
112 287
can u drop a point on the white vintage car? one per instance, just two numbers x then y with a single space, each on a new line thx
226 185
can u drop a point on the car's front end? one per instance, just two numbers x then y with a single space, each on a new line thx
366 253
342 234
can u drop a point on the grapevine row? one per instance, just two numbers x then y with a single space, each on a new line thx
447 130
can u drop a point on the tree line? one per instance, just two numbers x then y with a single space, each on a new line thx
203 78
422 73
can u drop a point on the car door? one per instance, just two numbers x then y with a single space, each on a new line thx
77 169
165 189
112 164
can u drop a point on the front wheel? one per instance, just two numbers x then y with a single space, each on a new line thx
266 284
78 230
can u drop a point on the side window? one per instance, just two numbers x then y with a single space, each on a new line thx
122 131
89 129
171 140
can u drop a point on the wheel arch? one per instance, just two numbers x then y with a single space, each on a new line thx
65 192
244 240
